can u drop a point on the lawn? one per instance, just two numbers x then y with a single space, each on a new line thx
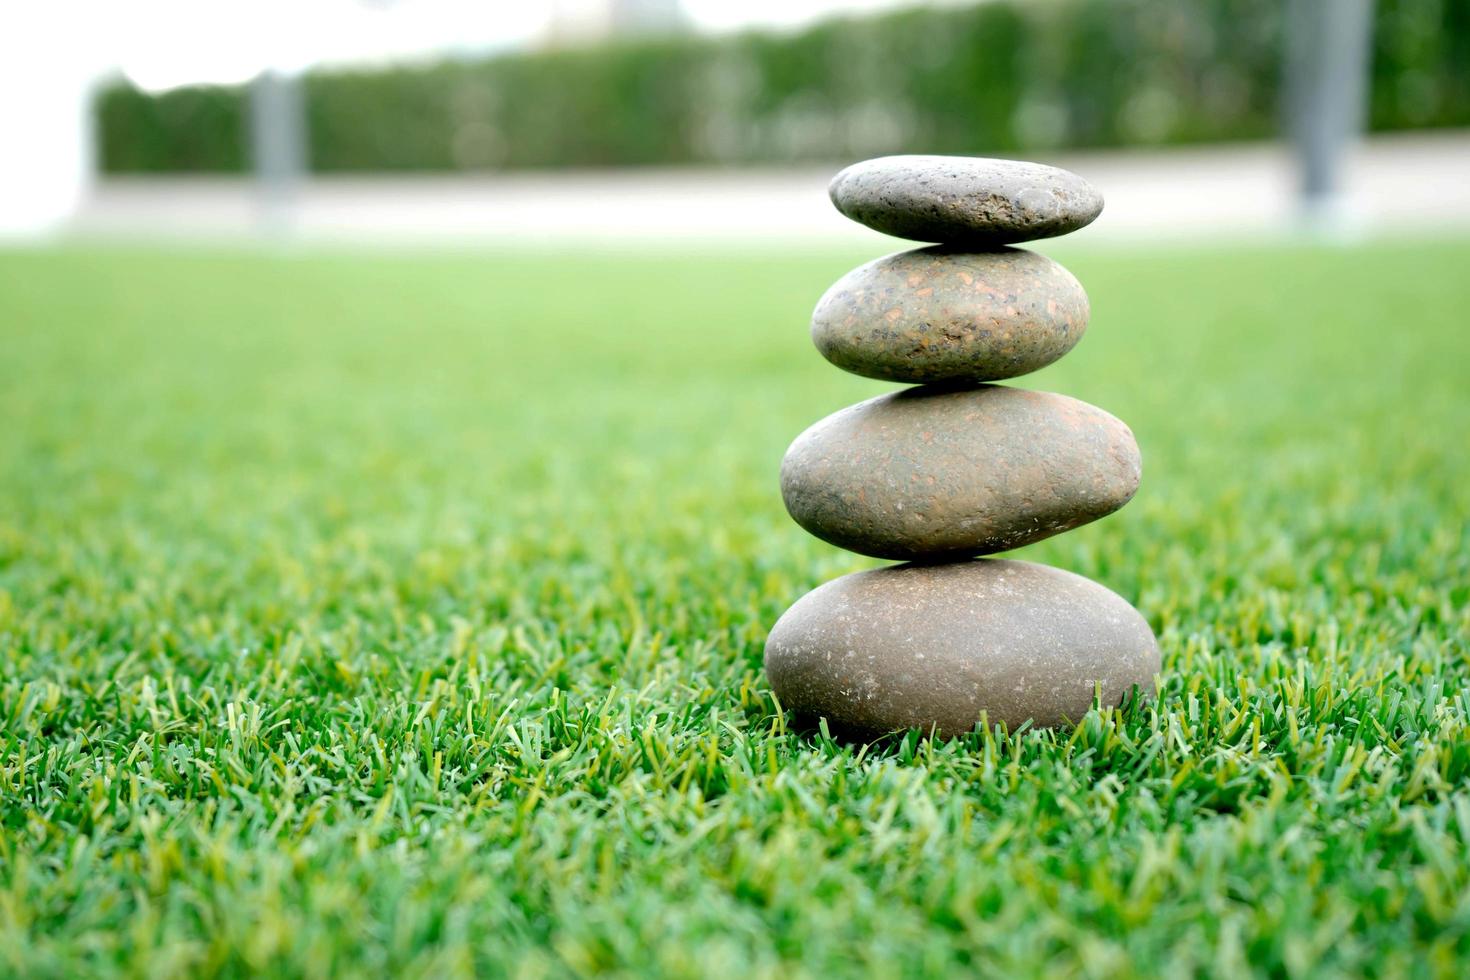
403 615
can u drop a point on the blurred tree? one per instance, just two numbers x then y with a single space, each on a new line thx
998 77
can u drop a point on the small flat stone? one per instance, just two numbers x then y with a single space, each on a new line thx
972 201
934 646
939 473
938 314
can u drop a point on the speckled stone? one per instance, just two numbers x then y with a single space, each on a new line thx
942 473
933 646
972 201
937 314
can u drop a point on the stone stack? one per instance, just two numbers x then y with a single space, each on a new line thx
957 467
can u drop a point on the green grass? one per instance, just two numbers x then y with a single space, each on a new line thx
404 615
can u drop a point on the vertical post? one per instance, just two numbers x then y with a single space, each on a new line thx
1327 56
278 147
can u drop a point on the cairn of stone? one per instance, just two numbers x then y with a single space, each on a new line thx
956 468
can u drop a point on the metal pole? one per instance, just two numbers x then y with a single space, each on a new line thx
1327 51
278 147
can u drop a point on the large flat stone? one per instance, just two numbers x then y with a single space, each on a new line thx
939 473
935 646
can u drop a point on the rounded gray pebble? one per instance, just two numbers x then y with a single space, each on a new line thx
938 314
970 201
939 473
935 646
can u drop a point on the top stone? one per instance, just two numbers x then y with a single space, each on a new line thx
966 201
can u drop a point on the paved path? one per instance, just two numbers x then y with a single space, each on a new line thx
1413 184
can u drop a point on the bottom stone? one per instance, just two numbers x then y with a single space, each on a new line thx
932 646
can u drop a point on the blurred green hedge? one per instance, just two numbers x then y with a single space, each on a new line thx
998 77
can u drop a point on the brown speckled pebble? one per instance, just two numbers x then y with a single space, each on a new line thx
937 314
973 201
942 473
933 646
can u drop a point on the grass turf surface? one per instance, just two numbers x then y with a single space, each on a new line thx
404 614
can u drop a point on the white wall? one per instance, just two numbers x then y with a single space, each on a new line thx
47 70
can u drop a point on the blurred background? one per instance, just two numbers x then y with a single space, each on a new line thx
400 610
703 119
